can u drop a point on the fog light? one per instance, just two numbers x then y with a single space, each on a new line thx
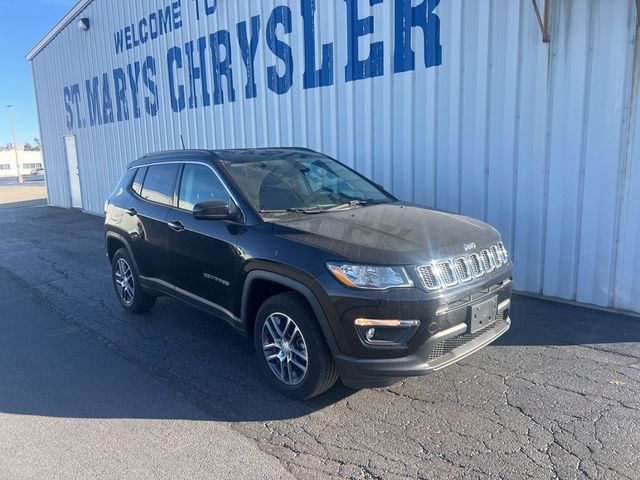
366 322
386 332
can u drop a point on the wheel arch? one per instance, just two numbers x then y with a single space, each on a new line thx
115 242
249 309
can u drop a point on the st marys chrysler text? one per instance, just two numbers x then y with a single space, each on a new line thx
328 273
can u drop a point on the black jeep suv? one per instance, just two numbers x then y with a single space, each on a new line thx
328 273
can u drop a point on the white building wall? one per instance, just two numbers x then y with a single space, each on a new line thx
8 166
540 140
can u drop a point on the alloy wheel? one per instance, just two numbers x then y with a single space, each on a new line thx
124 281
285 349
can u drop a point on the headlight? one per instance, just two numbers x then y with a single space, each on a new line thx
370 277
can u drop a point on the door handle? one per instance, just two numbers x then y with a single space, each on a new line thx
176 226
132 212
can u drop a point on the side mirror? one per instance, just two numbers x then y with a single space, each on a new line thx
215 210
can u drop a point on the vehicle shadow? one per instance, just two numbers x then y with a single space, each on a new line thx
174 363
547 323
216 368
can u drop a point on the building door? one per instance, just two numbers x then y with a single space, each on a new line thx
74 173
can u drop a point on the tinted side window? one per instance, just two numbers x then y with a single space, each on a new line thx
124 184
137 182
159 183
199 184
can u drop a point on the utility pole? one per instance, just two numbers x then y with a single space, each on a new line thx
15 145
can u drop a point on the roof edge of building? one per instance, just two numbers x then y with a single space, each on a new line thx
66 20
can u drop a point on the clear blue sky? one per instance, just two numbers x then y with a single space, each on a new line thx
24 23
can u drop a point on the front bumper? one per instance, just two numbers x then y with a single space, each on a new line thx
443 338
440 351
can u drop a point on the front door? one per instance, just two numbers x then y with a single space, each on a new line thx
71 152
204 257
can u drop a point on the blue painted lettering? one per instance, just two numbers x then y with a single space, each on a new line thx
93 101
148 77
407 18
221 66
67 107
144 32
249 50
75 98
176 14
197 73
134 82
373 66
107 103
128 40
164 19
277 83
315 78
153 26
119 39
174 62
120 86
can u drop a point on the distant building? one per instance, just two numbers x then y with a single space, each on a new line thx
20 146
28 161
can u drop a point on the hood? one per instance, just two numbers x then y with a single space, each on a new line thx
389 234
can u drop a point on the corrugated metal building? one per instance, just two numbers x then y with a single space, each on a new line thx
455 104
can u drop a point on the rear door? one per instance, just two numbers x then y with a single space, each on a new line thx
203 252
148 209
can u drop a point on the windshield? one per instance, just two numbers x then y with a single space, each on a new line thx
307 185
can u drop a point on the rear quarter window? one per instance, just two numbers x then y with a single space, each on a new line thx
124 184
137 182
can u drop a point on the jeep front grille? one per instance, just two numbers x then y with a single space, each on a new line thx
487 263
495 256
446 274
451 272
462 269
429 277
476 265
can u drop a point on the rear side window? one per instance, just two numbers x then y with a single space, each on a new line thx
199 184
124 184
137 182
159 183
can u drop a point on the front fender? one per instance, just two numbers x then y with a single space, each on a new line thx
297 286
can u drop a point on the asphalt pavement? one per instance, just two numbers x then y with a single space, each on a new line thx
73 408
88 391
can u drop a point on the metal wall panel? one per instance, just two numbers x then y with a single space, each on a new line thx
540 140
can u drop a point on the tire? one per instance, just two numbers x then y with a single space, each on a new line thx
132 298
284 372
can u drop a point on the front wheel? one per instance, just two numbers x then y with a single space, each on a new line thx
291 348
127 285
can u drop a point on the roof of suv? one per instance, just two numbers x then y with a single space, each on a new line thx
235 156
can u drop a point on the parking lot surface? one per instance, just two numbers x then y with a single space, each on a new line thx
32 192
558 396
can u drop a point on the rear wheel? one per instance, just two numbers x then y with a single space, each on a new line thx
291 348
127 284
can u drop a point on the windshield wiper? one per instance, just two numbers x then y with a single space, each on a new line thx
307 211
316 210
352 204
